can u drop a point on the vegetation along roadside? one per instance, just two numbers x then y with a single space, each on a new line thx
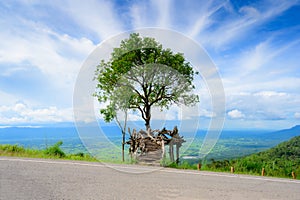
282 160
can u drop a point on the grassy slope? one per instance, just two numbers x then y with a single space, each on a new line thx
279 161
53 152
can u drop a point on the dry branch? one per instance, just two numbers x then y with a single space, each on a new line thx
149 146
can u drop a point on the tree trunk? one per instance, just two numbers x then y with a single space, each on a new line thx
123 146
123 130
147 125
147 117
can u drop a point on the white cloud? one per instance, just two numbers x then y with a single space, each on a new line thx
163 7
97 16
21 113
235 114
32 49
171 114
255 58
57 56
297 115
150 14
264 105
6 98
204 16
262 56
270 94
249 17
140 13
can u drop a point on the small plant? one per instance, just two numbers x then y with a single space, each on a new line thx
80 154
55 150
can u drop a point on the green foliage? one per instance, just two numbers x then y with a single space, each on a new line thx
55 150
50 152
214 165
16 150
80 154
279 161
141 74
180 165
12 148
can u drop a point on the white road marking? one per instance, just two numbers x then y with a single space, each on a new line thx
152 169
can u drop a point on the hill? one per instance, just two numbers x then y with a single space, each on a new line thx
279 161
285 134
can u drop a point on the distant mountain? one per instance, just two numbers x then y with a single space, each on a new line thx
284 134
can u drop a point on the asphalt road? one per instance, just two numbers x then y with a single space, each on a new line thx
22 178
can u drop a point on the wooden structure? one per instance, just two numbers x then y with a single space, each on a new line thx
149 146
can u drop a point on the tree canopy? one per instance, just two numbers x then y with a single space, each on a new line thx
141 74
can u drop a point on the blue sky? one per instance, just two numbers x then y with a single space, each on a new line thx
254 44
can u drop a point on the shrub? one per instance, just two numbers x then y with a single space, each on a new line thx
12 148
55 150
80 154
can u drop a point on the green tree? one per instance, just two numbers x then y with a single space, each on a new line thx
141 74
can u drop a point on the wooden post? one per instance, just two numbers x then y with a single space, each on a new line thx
294 175
163 149
171 151
177 153
263 172
232 169
199 166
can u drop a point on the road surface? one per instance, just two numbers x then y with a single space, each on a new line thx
23 178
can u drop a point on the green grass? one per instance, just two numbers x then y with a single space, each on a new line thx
55 152
52 152
279 161
252 169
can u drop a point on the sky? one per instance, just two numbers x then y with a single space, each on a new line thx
255 46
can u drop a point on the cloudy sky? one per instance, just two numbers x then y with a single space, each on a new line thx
254 44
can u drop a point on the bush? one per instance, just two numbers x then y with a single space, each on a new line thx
80 154
12 148
55 150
